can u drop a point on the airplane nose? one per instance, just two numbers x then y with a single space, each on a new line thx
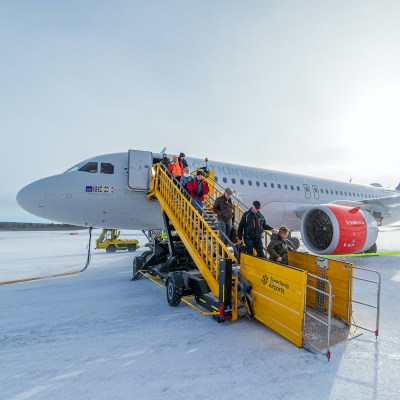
32 198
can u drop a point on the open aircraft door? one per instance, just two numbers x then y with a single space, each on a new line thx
139 163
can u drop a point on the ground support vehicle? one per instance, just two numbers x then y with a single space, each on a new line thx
109 240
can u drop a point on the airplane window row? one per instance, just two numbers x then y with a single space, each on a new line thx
258 184
292 187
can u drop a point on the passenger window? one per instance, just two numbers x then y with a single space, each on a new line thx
216 179
89 167
341 193
250 183
298 188
242 182
257 183
291 187
345 193
107 168
285 187
224 180
265 184
279 185
272 185
331 191
233 180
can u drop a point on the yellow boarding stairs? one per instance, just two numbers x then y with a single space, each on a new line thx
309 302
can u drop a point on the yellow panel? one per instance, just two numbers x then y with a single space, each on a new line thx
278 293
339 274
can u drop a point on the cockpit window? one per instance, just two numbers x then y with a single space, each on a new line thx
107 168
89 167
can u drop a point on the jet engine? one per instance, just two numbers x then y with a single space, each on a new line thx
336 229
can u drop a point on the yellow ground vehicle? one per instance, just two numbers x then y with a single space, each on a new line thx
109 240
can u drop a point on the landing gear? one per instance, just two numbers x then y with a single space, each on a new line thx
175 286
372 249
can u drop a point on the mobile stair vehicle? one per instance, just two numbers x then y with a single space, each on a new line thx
309 302
109 239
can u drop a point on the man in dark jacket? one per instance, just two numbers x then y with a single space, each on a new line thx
165 160
252 226
279 245
223 207
182 160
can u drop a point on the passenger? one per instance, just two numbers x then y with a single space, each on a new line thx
197 189
223 207
182 160
186 178
176 168
279 245
165 160
251 227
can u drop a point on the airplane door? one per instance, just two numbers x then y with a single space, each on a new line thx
315 191
307 191
139 163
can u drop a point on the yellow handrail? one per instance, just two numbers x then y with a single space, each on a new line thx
203 243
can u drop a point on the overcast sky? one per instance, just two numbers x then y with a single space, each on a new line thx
305 86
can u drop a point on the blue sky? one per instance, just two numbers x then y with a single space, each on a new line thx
304 86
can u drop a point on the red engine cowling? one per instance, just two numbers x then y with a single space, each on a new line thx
335 229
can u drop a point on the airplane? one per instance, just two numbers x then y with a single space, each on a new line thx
109 191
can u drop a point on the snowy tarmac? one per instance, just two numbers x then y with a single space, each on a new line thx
97 335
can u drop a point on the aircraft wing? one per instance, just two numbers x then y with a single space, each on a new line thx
379 207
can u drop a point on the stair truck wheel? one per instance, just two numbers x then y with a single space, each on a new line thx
138 264
131 247
174 289
111 248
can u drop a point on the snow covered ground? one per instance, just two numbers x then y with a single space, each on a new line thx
97 335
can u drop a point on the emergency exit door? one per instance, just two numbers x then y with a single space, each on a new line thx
139 163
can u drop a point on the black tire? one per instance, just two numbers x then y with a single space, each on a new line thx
372 249
295 241
111 249
174 289
132 248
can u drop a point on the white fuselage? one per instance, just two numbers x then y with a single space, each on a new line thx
105 200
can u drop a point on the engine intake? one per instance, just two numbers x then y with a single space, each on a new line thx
335 229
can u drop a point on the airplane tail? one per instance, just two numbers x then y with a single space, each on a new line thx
398 187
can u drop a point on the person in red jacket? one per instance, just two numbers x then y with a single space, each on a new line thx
176 168
197 189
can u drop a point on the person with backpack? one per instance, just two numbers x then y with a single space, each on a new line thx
251 227
197 188
186 178
183 160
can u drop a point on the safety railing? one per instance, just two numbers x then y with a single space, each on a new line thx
327 294
204 244
378 297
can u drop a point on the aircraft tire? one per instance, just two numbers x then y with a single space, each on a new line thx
372 249
174 288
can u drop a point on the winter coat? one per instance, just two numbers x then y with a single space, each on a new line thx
196 190
165 161
223 207
183 162
278 247
176 169
252 225
185 180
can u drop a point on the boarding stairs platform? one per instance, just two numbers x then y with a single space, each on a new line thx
309 302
